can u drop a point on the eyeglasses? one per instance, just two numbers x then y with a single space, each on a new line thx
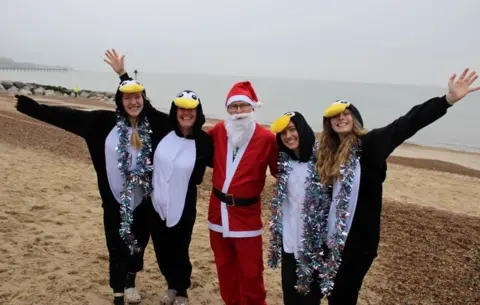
239 106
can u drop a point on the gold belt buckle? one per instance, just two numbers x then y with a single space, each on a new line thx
233 199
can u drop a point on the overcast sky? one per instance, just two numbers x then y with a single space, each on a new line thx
393 41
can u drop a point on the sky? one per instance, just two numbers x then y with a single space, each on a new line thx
419 42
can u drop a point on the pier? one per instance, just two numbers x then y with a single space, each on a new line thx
34 69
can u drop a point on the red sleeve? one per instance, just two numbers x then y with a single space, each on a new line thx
211 131
273 156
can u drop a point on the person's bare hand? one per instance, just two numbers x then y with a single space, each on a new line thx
115 61
458 89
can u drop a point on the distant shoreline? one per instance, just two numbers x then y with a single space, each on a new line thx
10 64
406 150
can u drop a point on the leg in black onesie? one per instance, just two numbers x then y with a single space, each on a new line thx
117 250
141 231
172 248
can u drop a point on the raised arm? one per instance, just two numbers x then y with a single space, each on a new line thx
156 117
383 141
75 121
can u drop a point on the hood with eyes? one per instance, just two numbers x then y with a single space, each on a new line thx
131 86
339 107
306 135
187 99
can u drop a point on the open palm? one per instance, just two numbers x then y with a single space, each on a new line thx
458 89
115 61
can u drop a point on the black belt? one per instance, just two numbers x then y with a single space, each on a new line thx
230 200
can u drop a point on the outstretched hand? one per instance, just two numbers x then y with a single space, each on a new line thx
18 98
458 89
115 61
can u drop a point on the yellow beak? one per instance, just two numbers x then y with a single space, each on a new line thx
280 124
186 103
132 88
334 109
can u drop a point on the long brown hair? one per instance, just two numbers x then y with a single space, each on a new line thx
333 151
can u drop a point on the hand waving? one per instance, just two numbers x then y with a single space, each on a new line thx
115 61
460 88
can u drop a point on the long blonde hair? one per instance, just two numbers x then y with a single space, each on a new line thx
333 151
135 141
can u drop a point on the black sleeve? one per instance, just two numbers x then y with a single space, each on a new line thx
75 121
125 77
382 141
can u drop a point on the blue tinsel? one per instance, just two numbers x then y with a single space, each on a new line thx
284 170
276 226
331 263
315 211
132 178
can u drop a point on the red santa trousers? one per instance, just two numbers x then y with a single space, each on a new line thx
240 269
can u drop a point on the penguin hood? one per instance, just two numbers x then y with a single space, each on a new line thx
131 86
187 99
339 107
306 135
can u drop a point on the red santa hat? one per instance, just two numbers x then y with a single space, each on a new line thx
243 91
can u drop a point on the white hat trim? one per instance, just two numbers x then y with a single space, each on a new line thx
238 98
243 98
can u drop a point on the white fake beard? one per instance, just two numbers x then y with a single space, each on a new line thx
239 128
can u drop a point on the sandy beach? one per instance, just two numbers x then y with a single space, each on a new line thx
53 246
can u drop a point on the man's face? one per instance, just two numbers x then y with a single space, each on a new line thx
239 107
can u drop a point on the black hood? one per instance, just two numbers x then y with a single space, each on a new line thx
306 139
197 126
354 111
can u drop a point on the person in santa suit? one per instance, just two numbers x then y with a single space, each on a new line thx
120 146
243 151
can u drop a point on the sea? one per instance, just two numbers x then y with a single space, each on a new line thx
379 104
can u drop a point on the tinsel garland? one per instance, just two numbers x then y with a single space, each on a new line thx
276 226
132 178
318 198
328 265
314 217
284 166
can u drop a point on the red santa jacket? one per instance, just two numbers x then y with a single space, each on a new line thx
243 177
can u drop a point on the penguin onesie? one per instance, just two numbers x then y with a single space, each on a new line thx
286 223
123 170
180 163
179 166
